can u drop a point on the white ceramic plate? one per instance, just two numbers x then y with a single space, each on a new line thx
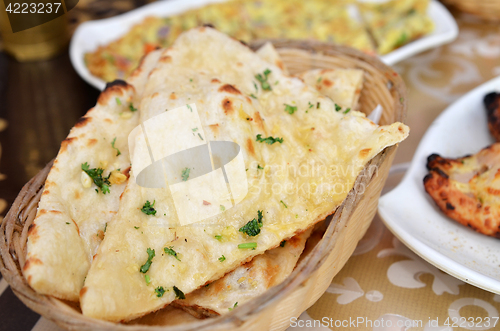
90 35
416 220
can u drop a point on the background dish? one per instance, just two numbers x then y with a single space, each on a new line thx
415 219
92 34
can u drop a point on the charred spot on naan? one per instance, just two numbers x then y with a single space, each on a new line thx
31 261
228 88
227 105
116 88
66 142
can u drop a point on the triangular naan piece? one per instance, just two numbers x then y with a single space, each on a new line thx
341 85
73 212
281 125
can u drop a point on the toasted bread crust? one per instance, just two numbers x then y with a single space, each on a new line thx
492 105
470 204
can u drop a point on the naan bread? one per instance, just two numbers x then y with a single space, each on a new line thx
342 85
249 280
271 268
72 217
217 73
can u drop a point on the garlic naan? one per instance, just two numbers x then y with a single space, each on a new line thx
280 124
73 212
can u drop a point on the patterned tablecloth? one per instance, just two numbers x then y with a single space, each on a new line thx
384 285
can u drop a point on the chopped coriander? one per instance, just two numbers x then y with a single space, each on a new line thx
347 110
96 175
145 267
113 145
480 200
105 227
403 39
263 80
310 105
222 208
318 105
277 82
253 96
283 204
136 227
222 258
199 135
195 129
319 80
252 228
148 208
189 107
282 244
235 305
218 237
269 140
67 222
401 99
190 79
256 88
179 294
247 245
131 107
290 109
185 174
148 280
337 107
159 291
170 251
118 101
259 167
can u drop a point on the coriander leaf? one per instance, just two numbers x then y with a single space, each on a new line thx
337 107
319 80
105 227
118 101
159 291
269 140
252 228
218 237
283 204
222 258
347 110
170 251
195 129
179 294
282 244
189 107
185 174
310 105
132 108
67 222
145 267
113 145
247 245
136 227
253 96
259 167
263 80
222 208
290 109
147 279
318 105
148 208
235 305
96 175
403 39
199 135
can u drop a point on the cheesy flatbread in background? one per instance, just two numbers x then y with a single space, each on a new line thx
395 23
245 20
341 85
280 124
77 205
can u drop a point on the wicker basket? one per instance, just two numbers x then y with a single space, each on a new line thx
274 309
485 9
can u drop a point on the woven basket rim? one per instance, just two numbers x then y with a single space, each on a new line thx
48 306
